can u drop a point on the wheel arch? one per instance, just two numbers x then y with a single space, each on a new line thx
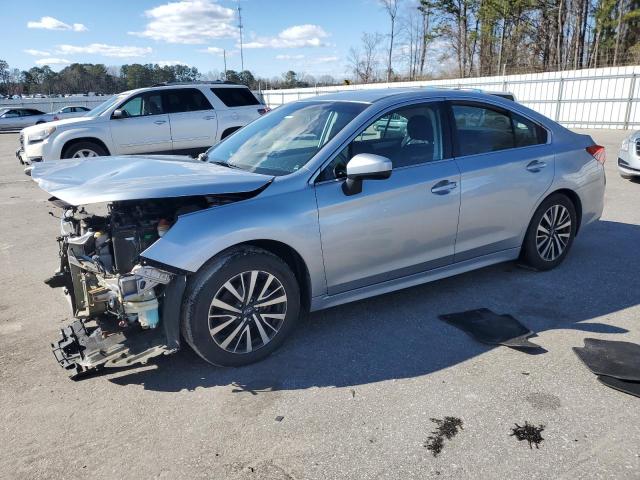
229 131
293 259
70 143
575 199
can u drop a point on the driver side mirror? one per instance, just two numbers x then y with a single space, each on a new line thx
365 166
117 114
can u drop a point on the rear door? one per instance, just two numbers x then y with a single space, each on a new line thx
144 128
242 106
506 165
193 119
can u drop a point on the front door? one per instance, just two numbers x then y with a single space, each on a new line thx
145 128
506 166
399 226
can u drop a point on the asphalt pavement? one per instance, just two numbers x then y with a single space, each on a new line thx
353 393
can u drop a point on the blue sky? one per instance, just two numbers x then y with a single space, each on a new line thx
312 37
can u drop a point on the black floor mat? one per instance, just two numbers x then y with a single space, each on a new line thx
489 327
610 358
632 388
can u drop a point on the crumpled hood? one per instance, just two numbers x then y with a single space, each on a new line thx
112 179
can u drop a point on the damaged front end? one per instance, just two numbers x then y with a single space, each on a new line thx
126 311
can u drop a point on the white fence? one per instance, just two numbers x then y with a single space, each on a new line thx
55 104
592 98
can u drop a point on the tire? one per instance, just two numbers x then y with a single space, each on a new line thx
203 321
537 252
84 150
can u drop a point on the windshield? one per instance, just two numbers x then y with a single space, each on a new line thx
104 106
285 139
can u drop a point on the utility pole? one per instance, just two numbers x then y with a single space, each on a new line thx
224 55
240 26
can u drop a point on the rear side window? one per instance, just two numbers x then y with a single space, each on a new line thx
235 97
186 100
484 129
527 132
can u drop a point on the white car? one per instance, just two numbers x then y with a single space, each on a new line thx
178 118
17 118
629 156
70 111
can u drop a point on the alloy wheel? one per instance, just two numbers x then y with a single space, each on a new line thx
84 153
553 232
247 311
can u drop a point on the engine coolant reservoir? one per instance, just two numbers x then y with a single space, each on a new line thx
146 307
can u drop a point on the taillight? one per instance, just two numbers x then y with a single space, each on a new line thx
264 110
597 152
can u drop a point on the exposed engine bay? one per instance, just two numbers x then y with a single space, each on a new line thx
118 299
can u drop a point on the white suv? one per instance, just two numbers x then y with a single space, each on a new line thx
164 119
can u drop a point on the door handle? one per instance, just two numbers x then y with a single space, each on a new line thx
160 122
443 187
536 166
210 117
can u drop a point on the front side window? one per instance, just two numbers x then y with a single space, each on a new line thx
408 136
186 100
285 140
142 105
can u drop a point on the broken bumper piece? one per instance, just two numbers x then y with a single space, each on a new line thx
82 349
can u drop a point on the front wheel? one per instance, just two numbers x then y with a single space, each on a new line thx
240 307
84 150
550 233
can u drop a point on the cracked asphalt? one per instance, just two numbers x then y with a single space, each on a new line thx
357 385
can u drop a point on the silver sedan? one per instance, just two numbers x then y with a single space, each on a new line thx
18 118
320 202
629 156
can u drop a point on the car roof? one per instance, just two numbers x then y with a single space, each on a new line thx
211 84
376 94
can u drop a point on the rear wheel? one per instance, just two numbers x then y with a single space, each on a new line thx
240 307
84 150
550 233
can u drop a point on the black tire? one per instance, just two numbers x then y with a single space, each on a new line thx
69 152
204 285
530 254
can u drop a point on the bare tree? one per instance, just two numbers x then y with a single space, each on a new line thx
391 7
363 63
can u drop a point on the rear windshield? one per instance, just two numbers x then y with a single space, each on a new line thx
235 97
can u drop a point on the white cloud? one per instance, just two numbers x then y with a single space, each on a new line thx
189 22
213 51
169 63
52 61
36 53
50 23
289 57
329 59
105 50
293 37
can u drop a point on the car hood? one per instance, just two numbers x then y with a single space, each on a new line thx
58 123
112 179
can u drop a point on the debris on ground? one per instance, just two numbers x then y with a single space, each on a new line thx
279 418
489 327
528 432
447 429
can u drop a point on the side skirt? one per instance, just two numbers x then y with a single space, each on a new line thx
326 301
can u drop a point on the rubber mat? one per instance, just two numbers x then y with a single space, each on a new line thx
611 358
489 327
632 388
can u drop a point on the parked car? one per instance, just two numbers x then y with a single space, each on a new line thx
629 156
301 210
17 118
70 112
168 118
